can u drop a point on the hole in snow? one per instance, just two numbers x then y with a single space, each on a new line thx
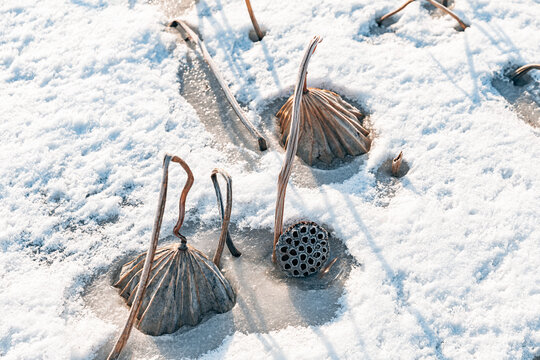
523 94
253 35
387 184
267 300
435 11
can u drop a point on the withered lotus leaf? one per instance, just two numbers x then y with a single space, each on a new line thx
184 285
329 127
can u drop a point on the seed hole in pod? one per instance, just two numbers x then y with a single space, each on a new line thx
323 243
309 249
320 236
306 274
312 231
323 258
293 252
324 250
284 249
317 254
303 257
310 261
294 262
285 257
288 241
296 242
295 233
303 229
305 239
287 266
313 240
312 270
317 247
300 248
303 266
318 264
296 273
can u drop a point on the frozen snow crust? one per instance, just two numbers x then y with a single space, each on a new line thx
90 102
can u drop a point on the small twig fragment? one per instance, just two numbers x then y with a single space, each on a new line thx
327 268
396 164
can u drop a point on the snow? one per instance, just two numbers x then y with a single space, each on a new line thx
91 99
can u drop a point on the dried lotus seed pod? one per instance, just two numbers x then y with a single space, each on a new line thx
303 249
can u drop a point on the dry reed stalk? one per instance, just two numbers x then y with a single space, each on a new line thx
230 97
124 336
292 143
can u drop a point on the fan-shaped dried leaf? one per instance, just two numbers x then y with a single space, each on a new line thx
329 127
184 286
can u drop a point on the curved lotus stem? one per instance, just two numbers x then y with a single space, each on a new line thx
258 31
292 143
234 104
225 236
432 2
392 13
396 163
523 70
449 12
145 275
182 203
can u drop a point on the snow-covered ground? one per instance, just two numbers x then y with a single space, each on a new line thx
90 102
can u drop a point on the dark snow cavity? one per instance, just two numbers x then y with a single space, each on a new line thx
267 300
387 185
376 30
523 95
253 35
435 11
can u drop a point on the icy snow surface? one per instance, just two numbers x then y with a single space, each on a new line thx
446 258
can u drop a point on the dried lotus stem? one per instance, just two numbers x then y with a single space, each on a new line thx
392 13
230 97
449 12
327 268
292 143
432 2
396 163
182 203
258 31
124 336
225 236
523 70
